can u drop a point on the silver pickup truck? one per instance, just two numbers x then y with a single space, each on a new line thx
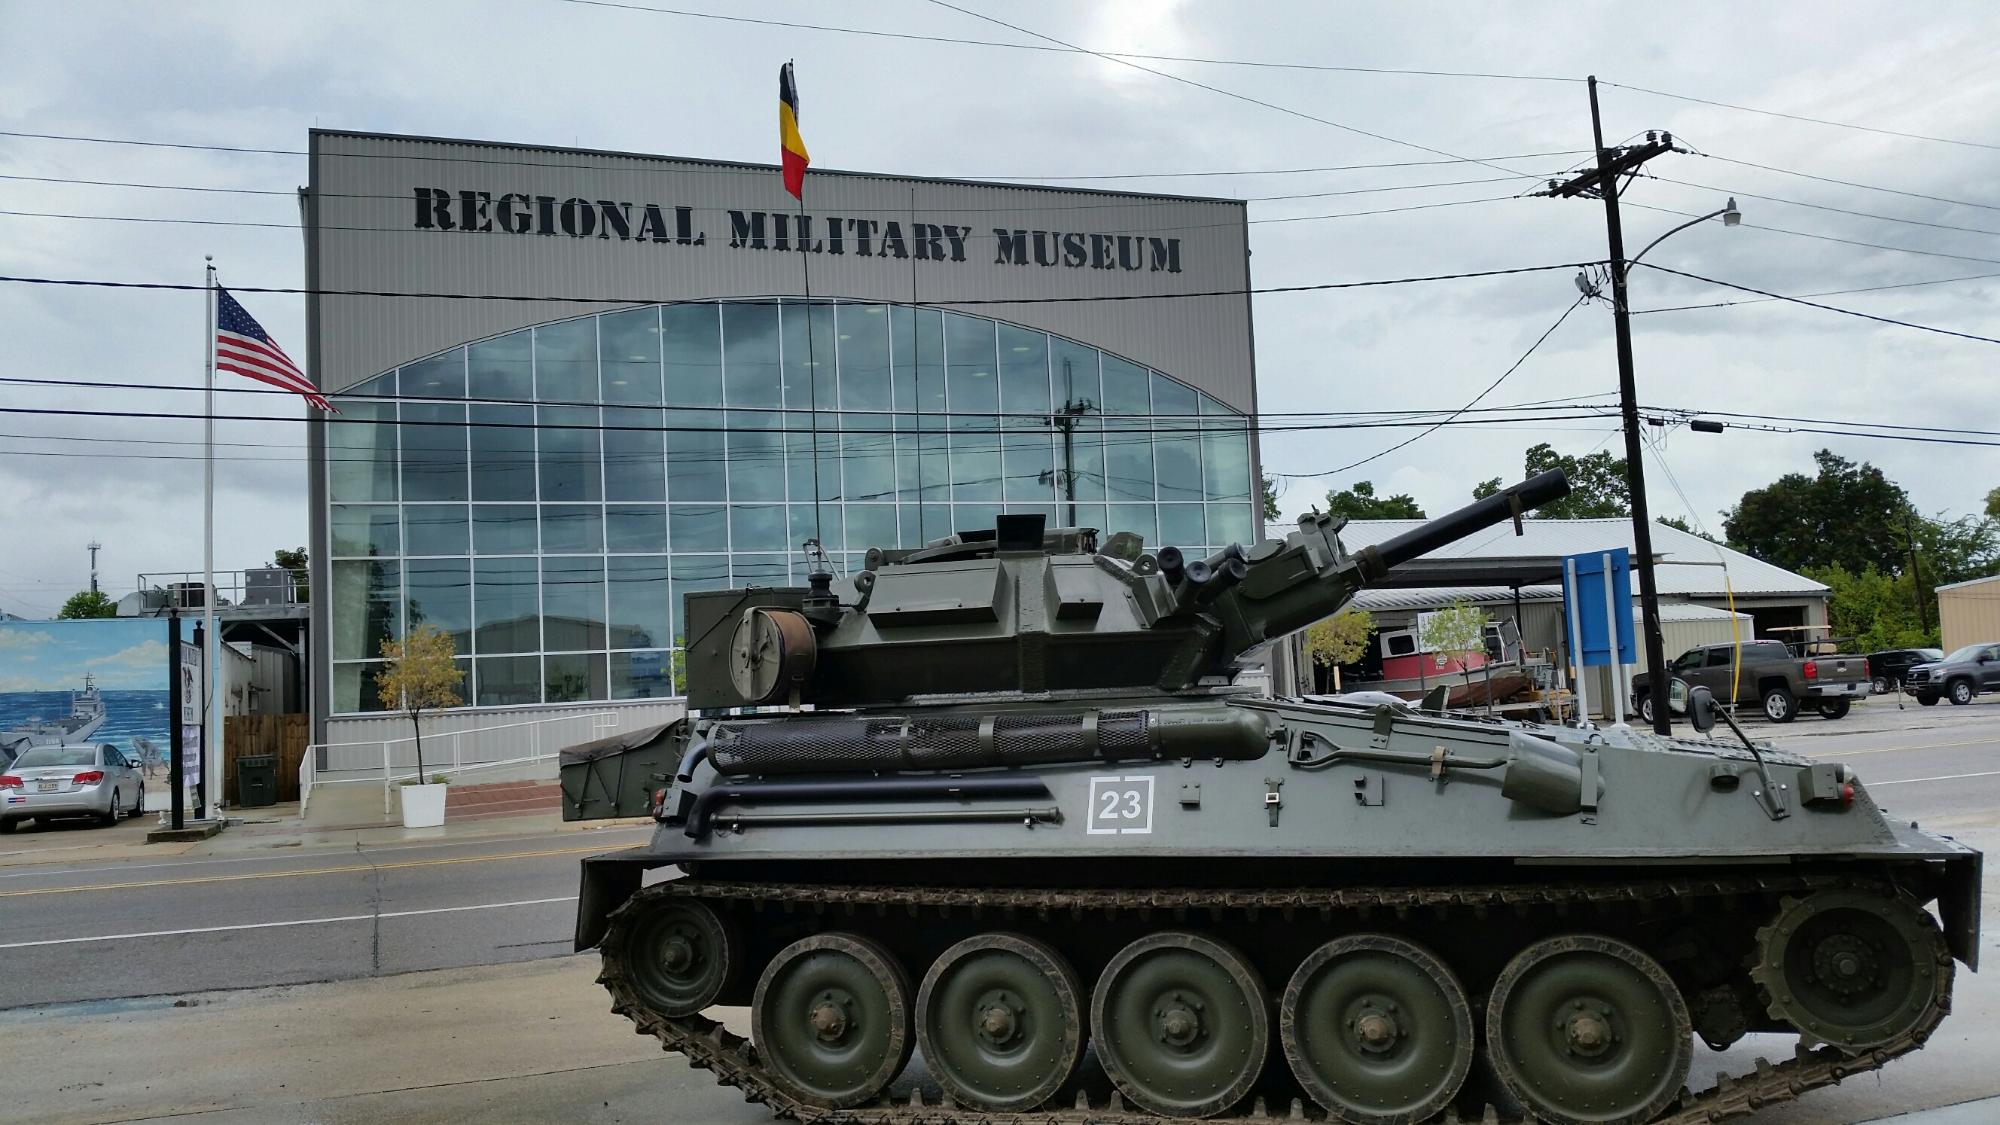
1779 681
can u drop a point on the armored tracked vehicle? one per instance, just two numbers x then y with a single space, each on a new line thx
1000 798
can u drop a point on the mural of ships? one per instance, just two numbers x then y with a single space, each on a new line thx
86 714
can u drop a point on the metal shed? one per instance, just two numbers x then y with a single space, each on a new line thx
1969 612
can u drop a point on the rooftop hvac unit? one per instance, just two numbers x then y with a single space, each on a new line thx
267 585
186 595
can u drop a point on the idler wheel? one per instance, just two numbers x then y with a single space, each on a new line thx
677 953
1588 1030
1849 968
1378 1030
1000 1020
1182 1024
831 1017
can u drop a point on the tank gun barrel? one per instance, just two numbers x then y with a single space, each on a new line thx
1503 505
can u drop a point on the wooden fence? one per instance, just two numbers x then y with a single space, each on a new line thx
279 736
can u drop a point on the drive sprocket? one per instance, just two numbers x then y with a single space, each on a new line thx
1852 969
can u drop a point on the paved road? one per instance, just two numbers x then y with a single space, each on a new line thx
79 936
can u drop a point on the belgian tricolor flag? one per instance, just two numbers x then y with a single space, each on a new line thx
791 147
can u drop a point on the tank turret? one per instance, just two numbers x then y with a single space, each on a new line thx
1028 612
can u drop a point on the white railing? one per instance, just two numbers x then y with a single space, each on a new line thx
388 756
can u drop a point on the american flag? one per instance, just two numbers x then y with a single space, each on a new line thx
243 347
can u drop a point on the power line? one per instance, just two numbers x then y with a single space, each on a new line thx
1802 117
1826 237
1823 293
1574 305
1826 308
1301 114
1852 183
169 286
1824 207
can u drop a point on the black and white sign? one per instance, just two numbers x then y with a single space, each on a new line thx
1120 806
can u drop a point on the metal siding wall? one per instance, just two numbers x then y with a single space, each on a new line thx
1969 615
369 182
555 727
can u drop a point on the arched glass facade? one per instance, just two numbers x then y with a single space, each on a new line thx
546 496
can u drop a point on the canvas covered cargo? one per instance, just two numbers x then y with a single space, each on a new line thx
615 776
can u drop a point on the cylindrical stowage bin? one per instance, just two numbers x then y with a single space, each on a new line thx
256 782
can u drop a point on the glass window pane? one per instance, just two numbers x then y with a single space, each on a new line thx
750 354
974 517
572 603
916 342
508 681
642 675
441 376
969 348
636 528
364 530
566 361
693 338
1092 515
800 441
640 603
975 464
871 525
1141 518
628 356
361 452
1029 466
503 452
571 468
1126 388
1229 523
1024 370
921 523
439 593
695 457
434 451
693 574
760 570
506 606
634 455
502 367
1176 445
503 529
756 455
698 527
1073 371
1128 442
923 461
1225 452
1183 526
868 461
759 527
823 525
572 528
809 353
354 688
367 608
575 677
863 332
435 529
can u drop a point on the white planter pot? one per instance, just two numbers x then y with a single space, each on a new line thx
423 805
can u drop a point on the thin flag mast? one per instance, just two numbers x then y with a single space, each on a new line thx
211 715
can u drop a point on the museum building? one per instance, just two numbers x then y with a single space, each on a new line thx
573 386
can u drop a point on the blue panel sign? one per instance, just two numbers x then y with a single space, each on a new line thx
1596 616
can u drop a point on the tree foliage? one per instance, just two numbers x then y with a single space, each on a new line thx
87 604
1457 630
1993 504
1361 503
1270 495
1679 524
419 674
1598 488
1847 515
1878 610
294 560
1340 639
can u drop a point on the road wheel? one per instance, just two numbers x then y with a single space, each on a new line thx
677 953
114 814
1926 699
1645 709
1587 1030
1961 692
139 802
832 1018
1377 1030
1000 1021
1779 706
1881 685
1835 708
1181 1023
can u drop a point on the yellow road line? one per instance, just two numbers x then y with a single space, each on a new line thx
1990 740
343 870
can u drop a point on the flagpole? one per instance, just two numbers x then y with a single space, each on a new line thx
211 714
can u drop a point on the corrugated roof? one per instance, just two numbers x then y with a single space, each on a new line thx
1687 564
1967 582
1376 600
1689 611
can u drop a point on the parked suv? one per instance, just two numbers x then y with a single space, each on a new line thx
1889 665
1958 677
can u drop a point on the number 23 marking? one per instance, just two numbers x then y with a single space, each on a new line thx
1121 805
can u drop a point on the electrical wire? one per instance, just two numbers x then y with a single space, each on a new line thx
1824 207
1825 308
1574 305
1823 293
1851 183
1823 237
1802 117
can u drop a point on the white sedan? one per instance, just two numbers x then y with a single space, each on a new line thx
49 782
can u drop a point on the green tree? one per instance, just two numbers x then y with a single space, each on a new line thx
1993 504
1847 515
1361 503
1953 550
1598 488
1458 630
1340 639
1270 492
1878 610
294 560
1679 524
86 604
419 674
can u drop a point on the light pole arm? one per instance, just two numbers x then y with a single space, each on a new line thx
1634 259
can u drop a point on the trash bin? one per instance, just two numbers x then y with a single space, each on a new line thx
256 782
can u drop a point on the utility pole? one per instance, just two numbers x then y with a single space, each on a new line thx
1064 419
95 547
1916 576
1603 183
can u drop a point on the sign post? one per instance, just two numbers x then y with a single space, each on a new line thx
177 717
189 727
1595 586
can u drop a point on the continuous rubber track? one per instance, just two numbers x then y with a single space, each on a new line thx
734 1059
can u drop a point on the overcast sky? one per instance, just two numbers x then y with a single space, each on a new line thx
558 73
